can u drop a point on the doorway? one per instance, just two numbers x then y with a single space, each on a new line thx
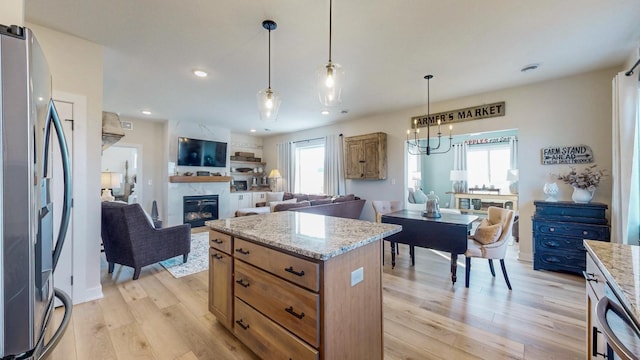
125 160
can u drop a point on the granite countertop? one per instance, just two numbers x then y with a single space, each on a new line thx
311 235
620 265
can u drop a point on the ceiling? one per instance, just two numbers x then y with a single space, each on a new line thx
386 47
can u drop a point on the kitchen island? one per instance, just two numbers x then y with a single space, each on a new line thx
298 285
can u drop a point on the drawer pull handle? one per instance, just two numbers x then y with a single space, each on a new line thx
219 257
594 343
244 284
290 269
218 241
585 232
242 325
552 229
290 311
589 276
243 252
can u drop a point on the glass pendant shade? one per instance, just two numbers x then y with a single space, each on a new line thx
330 78
268 104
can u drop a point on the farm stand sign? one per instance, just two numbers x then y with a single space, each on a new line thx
578 154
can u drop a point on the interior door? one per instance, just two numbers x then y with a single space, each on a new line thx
63 275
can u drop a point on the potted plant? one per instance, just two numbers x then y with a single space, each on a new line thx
584 183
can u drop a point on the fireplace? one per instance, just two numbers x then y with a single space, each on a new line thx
198 209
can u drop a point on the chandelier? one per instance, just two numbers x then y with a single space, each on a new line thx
268 99
414 146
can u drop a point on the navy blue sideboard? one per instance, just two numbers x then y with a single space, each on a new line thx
558 231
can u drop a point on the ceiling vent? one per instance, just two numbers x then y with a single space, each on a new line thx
112 130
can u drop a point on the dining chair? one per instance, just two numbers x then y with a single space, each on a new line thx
490 241
381 207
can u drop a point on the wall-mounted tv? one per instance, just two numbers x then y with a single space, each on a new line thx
194 152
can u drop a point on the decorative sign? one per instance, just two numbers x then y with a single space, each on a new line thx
466 114
495 140
578 154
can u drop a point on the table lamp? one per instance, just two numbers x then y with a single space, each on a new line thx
512 178
275 174
108 181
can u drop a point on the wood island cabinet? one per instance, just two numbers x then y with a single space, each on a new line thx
221 277
366 156
287 306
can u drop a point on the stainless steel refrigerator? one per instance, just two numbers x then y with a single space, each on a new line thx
29 126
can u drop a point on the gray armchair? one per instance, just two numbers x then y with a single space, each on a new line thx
129 238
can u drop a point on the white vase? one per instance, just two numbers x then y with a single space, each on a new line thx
551 190
581 196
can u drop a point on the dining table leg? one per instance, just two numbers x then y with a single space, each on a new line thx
393 254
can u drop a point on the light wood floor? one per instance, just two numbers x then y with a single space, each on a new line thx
425 317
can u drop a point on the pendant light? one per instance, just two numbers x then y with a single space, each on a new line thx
330 75
268 99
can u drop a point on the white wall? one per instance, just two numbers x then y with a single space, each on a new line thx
76 68
568 111
12 12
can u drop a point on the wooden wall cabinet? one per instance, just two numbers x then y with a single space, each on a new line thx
365 156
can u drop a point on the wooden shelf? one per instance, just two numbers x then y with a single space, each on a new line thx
195 179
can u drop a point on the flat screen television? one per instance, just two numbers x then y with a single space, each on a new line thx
195 152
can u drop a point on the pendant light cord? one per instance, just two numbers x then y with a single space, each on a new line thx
269 59
330 17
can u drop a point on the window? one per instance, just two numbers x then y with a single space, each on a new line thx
488 165
309 167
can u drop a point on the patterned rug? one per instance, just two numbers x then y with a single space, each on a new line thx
197 261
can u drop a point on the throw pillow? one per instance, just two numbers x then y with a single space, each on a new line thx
320 202
274 196
272 204
419 197
317 197
287 206
487 233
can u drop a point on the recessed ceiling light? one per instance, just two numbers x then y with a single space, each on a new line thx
146 112
324 112
200 73
529 67
253 130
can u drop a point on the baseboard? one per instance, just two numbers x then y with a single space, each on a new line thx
88 295
199 229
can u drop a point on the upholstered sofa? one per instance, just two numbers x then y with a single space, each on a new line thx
347 206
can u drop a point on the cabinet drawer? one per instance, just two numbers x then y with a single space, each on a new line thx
299 271
220 241
289 305
572 261
588 213
266 338
594 278
578 230
558 242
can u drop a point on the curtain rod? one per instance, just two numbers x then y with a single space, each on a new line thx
630 72
307 140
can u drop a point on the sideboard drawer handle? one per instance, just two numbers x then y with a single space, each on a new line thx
552 229
219 257
242 283
585 232
290 311
218 241
290 269
242 325
243 252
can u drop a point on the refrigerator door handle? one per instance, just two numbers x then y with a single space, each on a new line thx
53 119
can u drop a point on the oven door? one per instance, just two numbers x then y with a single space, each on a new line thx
618 328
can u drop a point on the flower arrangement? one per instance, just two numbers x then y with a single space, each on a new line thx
588 179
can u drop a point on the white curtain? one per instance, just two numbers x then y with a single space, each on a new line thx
460 163
513 152
334 183
286 167
625 193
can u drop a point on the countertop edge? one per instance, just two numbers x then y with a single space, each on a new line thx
306 252
613 283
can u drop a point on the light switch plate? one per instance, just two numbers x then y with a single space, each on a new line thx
357 276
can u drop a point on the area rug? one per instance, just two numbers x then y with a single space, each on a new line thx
197 261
